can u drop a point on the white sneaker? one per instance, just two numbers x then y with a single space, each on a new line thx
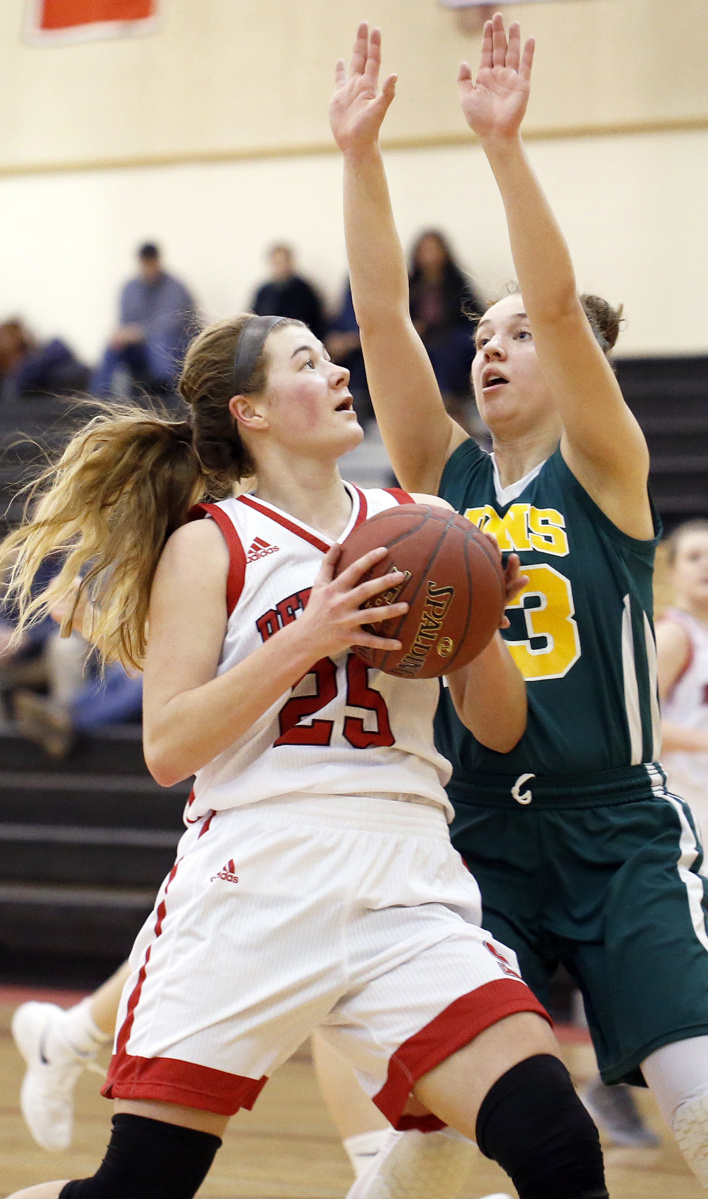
416 1165
53 1067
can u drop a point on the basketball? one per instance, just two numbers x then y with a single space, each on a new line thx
454 585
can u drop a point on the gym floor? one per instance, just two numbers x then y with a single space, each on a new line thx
287 1147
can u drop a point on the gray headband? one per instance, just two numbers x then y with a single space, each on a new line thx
248 350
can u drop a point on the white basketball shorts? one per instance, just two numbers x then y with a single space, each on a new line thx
354 915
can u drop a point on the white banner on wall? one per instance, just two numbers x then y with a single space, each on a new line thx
56 22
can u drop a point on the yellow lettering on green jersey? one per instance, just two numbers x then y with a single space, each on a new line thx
523 527
547 528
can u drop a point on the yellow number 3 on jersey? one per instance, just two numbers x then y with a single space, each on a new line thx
552 644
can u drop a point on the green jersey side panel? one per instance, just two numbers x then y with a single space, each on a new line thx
581 630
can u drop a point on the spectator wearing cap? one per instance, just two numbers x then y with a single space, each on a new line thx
286 293
157 318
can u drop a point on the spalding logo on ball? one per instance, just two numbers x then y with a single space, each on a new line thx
453 582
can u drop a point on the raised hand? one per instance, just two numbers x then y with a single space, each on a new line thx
358 107
494 104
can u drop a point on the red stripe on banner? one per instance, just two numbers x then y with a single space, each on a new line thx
67 14
451 1030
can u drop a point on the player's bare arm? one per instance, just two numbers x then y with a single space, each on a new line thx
403 387
602 444
190 713
489 693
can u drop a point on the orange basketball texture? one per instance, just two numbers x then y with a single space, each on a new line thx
454 584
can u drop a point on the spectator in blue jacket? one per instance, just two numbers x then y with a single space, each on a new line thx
156 321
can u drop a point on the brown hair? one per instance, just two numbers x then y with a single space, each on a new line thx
698 525
605 321
123 484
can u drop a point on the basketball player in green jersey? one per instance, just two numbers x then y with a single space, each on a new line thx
582 855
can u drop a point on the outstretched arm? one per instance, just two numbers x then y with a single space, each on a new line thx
602 444
418 433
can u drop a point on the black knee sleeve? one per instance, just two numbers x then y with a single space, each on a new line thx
148 1159
534 1125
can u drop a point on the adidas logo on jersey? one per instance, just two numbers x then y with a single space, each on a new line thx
227 873
260 549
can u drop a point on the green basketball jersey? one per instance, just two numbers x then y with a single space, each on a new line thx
581 631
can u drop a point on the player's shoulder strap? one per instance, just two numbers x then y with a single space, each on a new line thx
399 495
237 554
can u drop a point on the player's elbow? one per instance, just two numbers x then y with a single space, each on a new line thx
162 762
503 734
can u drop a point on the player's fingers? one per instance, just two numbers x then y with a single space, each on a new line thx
491 538
340 73
388 90
464 75
349 577
326 572
374 642
361 46
378 586
486 57
498 40
527 59
513 54
373 57
376 615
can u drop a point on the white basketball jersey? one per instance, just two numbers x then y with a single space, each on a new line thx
687 705
344 728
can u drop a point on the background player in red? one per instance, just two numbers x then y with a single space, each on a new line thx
682 648
315 884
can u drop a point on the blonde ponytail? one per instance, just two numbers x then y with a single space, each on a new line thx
106 508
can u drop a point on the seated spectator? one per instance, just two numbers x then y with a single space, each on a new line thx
288 294
32 367
442 301
157 318
112 698
344 347
78 696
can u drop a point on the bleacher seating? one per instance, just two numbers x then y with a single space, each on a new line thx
669 397
84 845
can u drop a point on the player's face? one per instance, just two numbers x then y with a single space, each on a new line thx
509 387
690 570
309 404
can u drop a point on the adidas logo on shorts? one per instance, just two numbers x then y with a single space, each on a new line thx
260 549
227 873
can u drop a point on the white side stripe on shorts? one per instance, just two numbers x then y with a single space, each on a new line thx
653 689
631 686
692 882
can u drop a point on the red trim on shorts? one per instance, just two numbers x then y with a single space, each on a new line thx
205 827
453 1028
287 524
127 1025
237 554
168 1080
399 495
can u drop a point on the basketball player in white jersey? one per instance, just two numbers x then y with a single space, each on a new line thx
315 884
682 651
